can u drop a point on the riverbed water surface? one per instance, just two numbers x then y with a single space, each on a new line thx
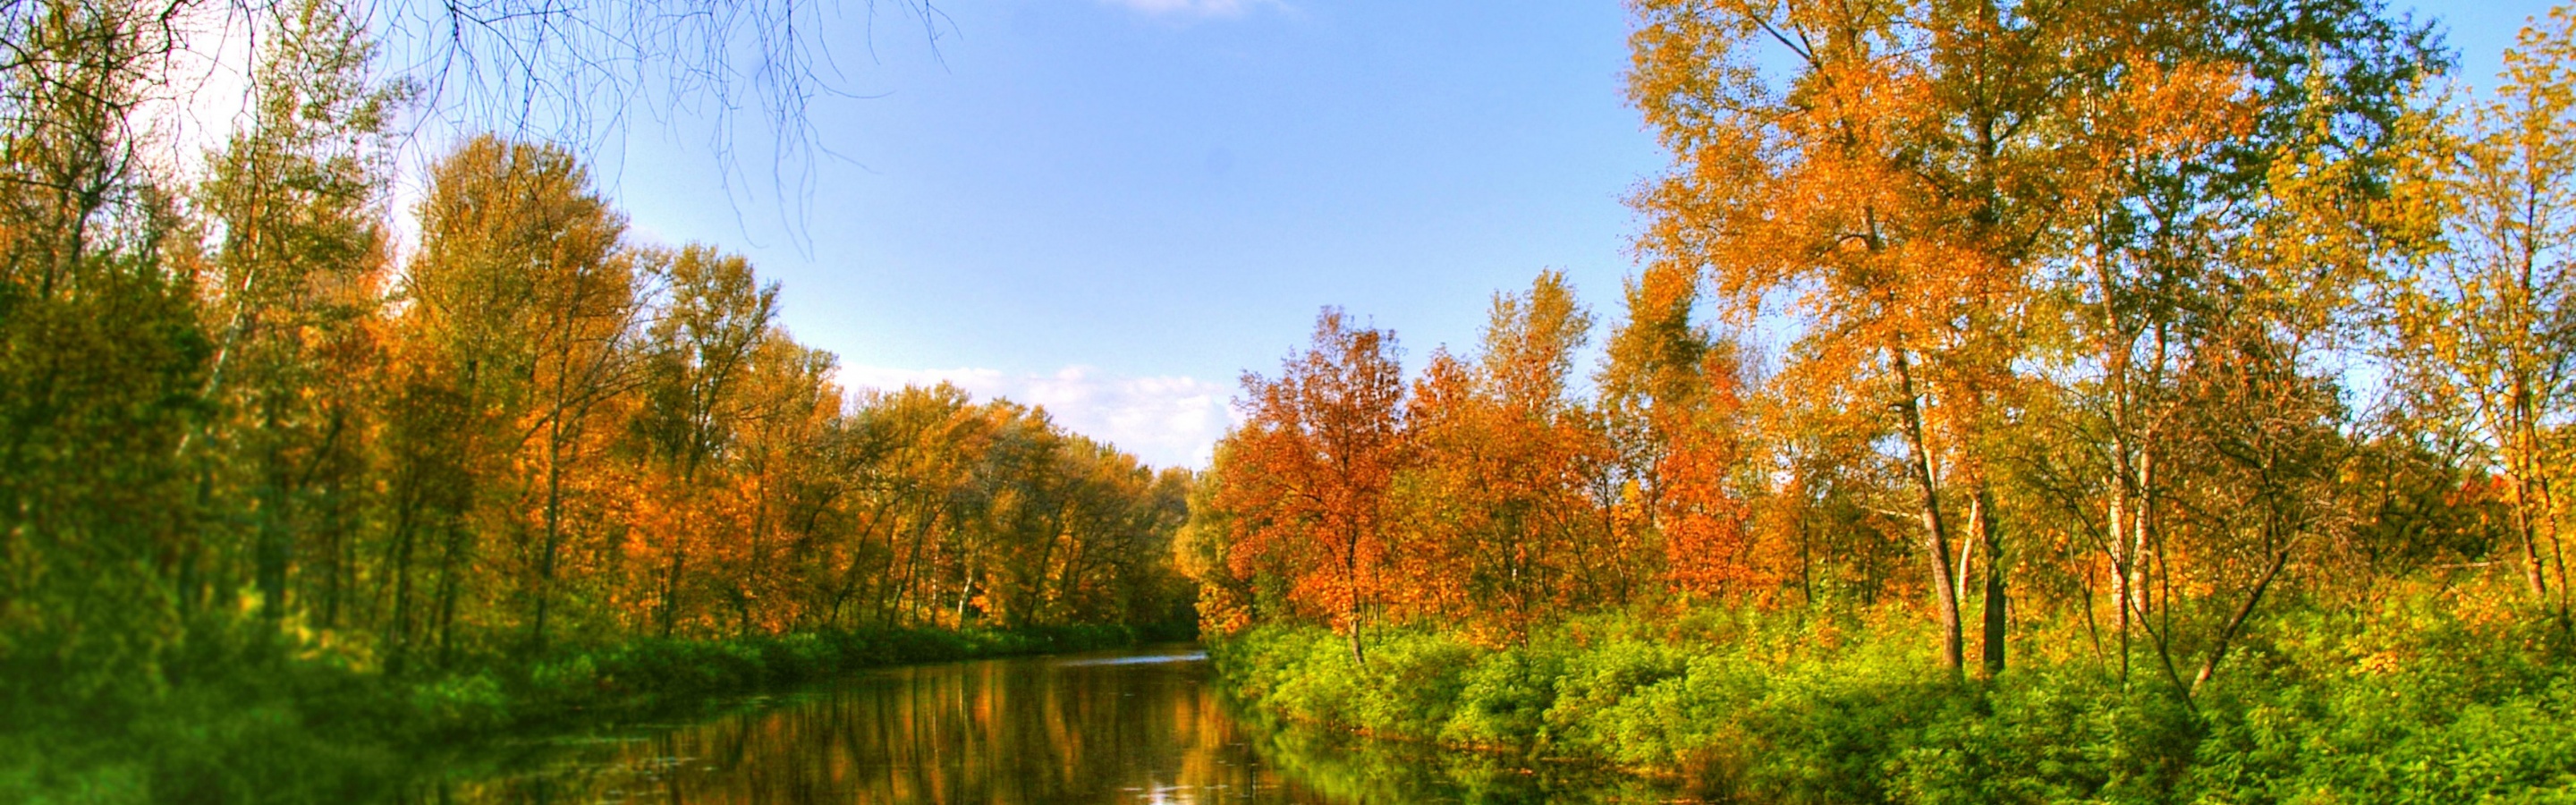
1143 725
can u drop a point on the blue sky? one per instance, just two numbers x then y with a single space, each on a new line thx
1112 208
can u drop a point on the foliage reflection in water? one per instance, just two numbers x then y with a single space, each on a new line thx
1139 726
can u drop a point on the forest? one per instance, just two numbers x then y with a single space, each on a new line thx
2055 400
248 440
2093 400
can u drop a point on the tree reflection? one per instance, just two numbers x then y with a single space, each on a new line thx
1015 731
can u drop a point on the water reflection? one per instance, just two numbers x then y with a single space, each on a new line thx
1116 727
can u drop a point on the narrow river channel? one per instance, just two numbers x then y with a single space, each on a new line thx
1142 725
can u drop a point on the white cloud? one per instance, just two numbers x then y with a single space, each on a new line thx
1167 421
1190 8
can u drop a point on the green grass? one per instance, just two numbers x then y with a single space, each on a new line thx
240 716
2407 703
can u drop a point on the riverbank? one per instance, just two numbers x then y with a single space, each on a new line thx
2420 700
244 716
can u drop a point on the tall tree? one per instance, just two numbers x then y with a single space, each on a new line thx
698 356
2245 183
102 363
587 319
1913 179
2488 330
1650 379
1310 471
1497 494
514 310
297 281
1891 182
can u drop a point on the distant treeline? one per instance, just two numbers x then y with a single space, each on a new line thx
232 399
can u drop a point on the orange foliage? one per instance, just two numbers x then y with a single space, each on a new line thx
1310 472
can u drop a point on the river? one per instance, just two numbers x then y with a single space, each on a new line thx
1144 725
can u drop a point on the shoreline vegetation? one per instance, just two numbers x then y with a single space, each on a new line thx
2411 701
261 721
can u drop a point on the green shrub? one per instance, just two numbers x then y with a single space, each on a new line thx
2409 702
1412 683
462 704
1503 699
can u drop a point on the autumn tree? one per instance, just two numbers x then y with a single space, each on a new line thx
1150 585
2486 329
1652 388
102 364
1310 472
786 445
697 358
2241 184
243 407
296 283
1832 504
1926 186
588 320
1499 527
517 308
931 433
1890 184
1203 550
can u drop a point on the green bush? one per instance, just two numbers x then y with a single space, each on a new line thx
465 703
1503 699
2410 702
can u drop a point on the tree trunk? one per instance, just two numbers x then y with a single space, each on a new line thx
671 586
849 585
1945 588
406 526
273 546
1358 656
2236 623
450 588
553 537
1351 575
912 563
1990 533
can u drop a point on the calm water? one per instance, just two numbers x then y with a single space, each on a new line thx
1132 726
